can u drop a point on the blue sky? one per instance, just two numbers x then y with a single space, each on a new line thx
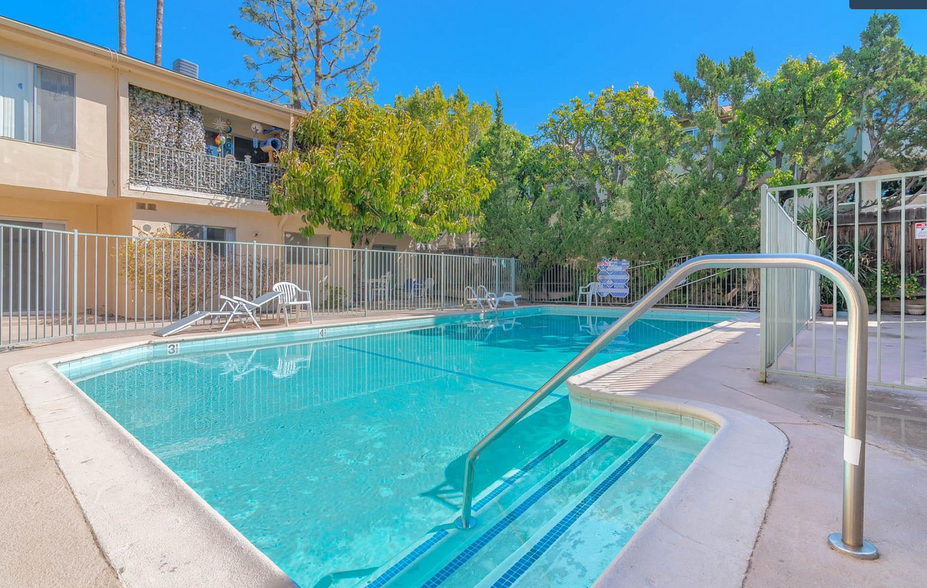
536 53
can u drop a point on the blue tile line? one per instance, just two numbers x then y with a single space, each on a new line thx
423 547
525 562
510 481
509 518
445 370
406 561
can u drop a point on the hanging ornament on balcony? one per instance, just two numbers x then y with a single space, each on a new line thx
223 125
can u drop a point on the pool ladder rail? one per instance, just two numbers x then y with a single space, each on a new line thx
850 540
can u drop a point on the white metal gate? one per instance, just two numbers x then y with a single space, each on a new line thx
875 227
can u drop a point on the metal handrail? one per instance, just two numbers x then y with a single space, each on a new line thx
850 540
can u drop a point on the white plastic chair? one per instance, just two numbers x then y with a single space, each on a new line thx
293 296
380 288
590 291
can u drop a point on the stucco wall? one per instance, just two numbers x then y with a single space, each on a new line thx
86 169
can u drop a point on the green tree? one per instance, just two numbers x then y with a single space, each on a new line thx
802 117
307 47
590 142
367 169
887 89
432 108
723 153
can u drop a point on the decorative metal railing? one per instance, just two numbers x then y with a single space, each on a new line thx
178 169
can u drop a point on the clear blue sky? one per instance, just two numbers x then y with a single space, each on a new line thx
536 53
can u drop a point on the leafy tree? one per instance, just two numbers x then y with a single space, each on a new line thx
432 108
802 116
367 169
591 141
307 47
887 87
724 151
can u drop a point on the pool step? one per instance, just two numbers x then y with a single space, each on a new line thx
518 520
519 563
493 498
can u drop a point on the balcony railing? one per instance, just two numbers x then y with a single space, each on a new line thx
167 167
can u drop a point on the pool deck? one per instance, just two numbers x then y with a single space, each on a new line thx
48 542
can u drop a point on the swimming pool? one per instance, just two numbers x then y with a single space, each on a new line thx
341 457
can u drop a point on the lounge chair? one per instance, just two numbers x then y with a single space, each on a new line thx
242 308
590 291
481 301
225 311
292 296
507 297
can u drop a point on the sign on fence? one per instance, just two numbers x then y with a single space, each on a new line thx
920 230
613 278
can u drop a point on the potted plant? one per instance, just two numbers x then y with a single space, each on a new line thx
827 299
892 291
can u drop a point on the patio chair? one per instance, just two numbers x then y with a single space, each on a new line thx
481 301
292 296
380 288
507 297
590 291
225 311
428 288
242 309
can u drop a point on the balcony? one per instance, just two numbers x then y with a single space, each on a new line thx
177 169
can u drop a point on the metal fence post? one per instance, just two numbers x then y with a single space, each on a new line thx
764 248
74 290
254 270
365 282
512 274
443 281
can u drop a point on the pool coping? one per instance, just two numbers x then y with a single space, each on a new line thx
709 529
152 527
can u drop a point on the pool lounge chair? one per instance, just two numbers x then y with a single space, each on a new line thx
481 300
243 309
507 297
188 321
231 308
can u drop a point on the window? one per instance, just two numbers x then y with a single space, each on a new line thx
16 95
37 103
54 107
306 256
206 233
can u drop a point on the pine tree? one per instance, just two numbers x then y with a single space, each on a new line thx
308 48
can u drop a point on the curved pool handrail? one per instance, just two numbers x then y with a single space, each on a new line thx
850 540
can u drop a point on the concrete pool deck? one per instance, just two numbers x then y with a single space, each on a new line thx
48 542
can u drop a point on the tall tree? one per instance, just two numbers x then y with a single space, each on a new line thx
724 151
307 48
802 117
591 139
367 169
122 26
159 28
887 89
432 108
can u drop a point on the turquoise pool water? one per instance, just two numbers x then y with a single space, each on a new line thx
333 456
